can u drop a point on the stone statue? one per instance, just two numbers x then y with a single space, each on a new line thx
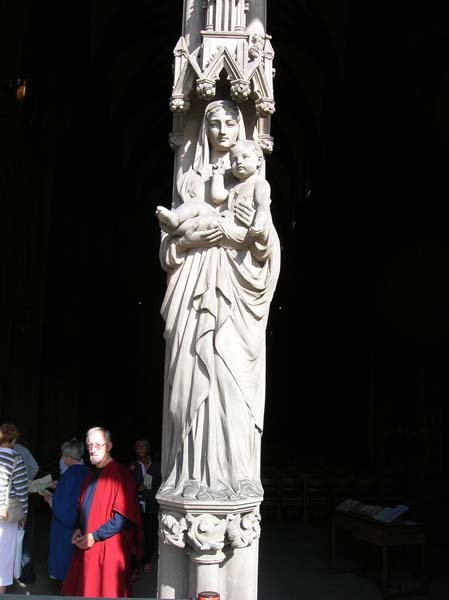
247 186
221 253
223 264
246 158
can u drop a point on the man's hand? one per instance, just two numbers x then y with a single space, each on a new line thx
76 536
85 541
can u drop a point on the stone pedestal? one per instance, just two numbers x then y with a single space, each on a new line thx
208 546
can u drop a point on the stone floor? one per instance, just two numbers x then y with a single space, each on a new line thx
293 565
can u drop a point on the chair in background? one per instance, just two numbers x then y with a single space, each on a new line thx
317 496
271 505
367 490
292 494
344 485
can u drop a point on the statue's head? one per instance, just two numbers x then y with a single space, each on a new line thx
222 122
246 158
222 125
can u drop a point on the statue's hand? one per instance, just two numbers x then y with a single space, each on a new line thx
244 212
259 228
194 238
218 168
190 239
212 235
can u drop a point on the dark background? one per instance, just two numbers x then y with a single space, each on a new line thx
357 342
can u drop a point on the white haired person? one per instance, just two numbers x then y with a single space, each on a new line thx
108 532
64 505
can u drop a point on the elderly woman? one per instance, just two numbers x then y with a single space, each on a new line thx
12 469
64 505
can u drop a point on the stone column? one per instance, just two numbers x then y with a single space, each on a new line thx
211 546
217 303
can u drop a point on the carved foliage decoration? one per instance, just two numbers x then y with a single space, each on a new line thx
240 90
206 531
175 139
179 104
205 88
256 47
264 107
242 531
172 528
266 143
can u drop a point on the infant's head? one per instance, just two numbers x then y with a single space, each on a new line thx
246 157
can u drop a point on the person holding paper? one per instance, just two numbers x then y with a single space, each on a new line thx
146 472
64 505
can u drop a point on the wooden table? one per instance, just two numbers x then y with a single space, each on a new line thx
398 533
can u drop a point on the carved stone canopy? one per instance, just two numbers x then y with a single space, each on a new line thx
230 45
246 69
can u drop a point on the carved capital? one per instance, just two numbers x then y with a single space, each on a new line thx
175 139
206 534
206 531
264 107
205 88
266 142
242 531
172 528
178 104
240 90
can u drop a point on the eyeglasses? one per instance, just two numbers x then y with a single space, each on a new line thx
96 446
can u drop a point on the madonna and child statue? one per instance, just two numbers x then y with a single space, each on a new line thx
221 253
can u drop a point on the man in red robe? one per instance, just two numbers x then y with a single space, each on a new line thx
109 528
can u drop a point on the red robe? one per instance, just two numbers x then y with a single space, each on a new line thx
104 570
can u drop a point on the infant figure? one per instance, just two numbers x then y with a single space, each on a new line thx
194 213
247 183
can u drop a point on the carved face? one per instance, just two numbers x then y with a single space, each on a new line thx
245 160
222 129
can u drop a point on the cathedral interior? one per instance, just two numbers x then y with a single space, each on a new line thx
358 334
